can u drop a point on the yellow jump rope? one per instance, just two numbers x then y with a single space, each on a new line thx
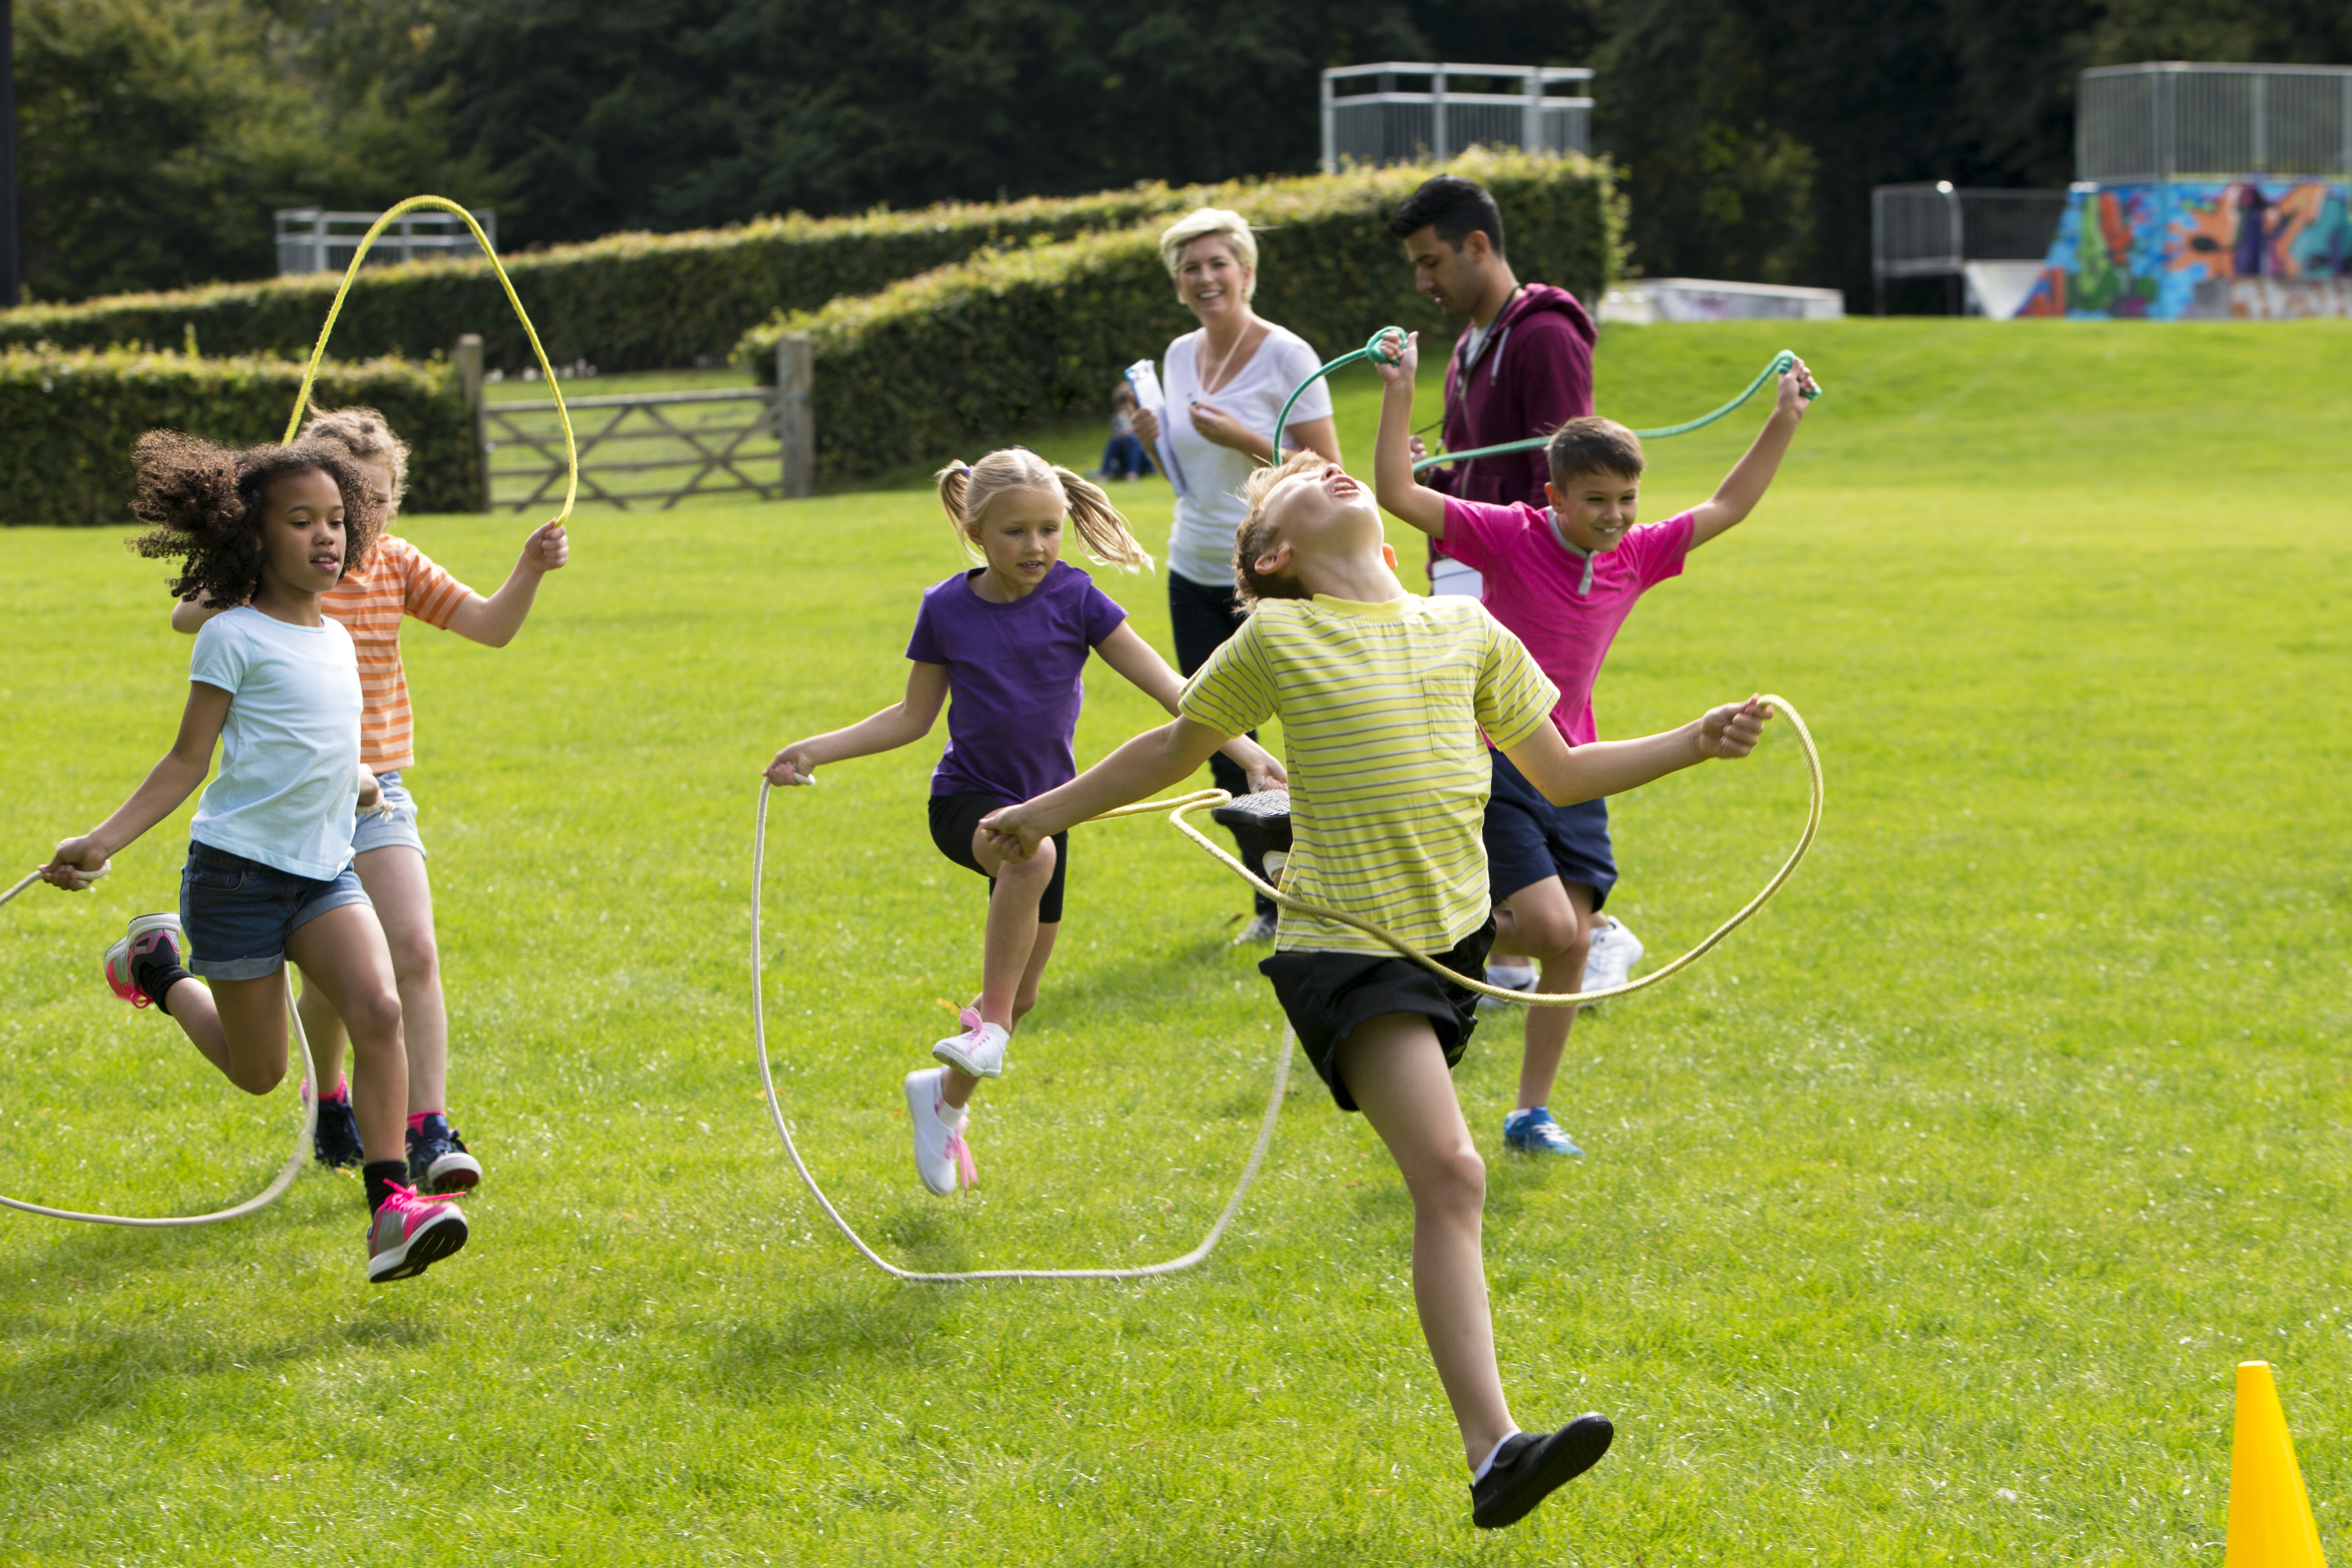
1177 808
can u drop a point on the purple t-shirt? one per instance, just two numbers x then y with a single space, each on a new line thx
1566 606
1014 680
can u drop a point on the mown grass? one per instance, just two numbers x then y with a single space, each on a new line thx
1922 1224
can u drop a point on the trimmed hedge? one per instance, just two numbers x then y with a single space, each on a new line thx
628 301
973 353
71 416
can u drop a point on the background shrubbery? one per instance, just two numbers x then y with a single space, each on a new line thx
986 348
72 415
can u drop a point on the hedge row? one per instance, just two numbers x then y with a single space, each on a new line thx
628 301
982 351
71 416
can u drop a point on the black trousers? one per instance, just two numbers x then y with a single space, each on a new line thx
1204 617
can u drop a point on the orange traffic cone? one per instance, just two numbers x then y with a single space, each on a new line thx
2270 1518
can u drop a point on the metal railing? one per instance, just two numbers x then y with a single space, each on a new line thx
664 446
1389 124
312 239
2180 120
1936 230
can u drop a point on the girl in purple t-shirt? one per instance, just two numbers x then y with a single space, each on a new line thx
1009 640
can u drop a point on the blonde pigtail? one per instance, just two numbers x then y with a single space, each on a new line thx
955 485
1108 541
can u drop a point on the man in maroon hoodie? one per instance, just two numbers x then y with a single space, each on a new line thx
1522 367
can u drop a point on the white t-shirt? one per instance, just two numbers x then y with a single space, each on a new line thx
1200 546
290 772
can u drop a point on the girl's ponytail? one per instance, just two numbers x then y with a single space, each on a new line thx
1108 541
955 485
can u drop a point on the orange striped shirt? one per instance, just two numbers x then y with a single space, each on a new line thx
399 579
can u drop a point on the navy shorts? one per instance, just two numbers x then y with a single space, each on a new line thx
238 913
1528 838
1329 996
956 817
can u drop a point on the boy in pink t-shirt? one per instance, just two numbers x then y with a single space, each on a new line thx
1563 579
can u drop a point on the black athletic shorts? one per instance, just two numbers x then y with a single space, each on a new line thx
1528 838
1329 995
956 817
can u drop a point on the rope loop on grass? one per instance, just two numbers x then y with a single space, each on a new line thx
1178 807
254 1204
318 352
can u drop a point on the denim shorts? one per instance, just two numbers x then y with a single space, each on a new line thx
238 913
395 823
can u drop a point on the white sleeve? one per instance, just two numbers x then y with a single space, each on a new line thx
220 655
1299 362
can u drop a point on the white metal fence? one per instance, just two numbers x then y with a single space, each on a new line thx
2179 120
1369 117
1936 230
312 239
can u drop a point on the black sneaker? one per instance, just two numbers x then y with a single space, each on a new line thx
437 1160
335 1142
1532 1465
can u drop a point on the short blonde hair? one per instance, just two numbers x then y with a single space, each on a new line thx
967 489
367 435
1200 223
1255 536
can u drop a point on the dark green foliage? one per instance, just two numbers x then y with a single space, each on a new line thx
632 302
941 364
71 418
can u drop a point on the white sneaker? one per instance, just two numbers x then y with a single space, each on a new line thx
1260 929
1615 951
979 1050
941 1156
1511 975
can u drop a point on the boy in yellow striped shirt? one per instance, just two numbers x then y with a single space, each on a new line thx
1382 696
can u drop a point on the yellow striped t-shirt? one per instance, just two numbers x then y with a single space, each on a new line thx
1381 708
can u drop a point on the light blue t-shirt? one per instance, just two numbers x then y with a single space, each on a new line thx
290 772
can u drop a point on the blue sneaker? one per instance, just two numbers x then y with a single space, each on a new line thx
1534 1132
438 1164
335 1142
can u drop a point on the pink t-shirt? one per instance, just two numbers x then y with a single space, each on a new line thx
1538 587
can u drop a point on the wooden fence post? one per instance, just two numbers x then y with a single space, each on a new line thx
795 429
470 378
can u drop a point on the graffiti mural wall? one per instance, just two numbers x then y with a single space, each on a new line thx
2139 252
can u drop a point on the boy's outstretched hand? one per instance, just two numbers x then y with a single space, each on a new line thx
547 548
1010 833
1797 389
1733 729
1406 346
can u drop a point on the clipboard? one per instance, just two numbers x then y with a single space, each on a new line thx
1144 376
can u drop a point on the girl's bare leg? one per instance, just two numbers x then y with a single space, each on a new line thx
1013 954
342 953
1396 1070
325 1033
397 884
238 1025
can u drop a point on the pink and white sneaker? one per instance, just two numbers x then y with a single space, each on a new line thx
979 1050
410 1232
941 1156
147 934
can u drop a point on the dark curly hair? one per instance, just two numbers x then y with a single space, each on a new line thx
207 501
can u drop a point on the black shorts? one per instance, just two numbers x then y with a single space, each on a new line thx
956 817
1528 838
1329 995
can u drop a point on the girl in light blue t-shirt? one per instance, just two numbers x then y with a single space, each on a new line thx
268 876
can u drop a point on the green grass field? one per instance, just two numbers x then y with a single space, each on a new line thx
1922 1223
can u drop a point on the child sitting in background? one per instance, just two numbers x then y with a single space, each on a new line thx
1564 579
1382 696
1123 455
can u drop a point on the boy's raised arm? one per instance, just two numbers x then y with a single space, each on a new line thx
1149 764
1400 494
1752 475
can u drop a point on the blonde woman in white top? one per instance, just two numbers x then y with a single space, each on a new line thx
1226 383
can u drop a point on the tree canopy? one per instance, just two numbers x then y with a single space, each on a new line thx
155 135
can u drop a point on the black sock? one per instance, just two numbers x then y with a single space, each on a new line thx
381 1176
156 974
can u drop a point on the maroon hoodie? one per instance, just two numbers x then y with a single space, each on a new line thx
1532 373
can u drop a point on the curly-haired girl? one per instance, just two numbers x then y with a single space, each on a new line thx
268 876
1009 639
372 603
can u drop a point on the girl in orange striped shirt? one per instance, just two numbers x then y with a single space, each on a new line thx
398 581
